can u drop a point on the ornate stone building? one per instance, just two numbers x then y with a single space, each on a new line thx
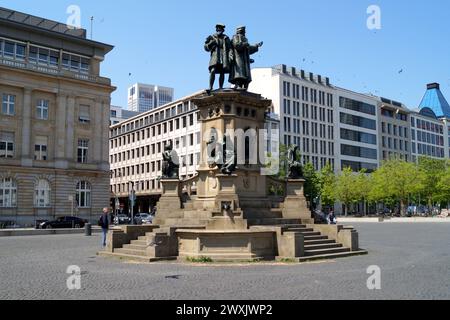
54 121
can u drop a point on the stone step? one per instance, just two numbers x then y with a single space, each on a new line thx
331 255
322 246
309 233
312 242
133 252
135 246
139 242
309 253
316 238
300 230
141 238
273 221
196 214
131 257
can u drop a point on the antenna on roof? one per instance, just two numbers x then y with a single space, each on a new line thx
92 25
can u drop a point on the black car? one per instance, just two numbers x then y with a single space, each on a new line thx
64 222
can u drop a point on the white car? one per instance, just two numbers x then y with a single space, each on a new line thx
144 218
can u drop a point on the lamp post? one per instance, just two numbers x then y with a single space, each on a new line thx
132 200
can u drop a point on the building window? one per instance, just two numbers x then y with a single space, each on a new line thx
8 104
42 109
84 115
83 146
42 194
83 195
6 144
8 193
13 50
40 148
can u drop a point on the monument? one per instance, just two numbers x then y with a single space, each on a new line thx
233 215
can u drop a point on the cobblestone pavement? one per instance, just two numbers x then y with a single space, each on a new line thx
414 261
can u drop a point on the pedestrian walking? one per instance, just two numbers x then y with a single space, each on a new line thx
103 222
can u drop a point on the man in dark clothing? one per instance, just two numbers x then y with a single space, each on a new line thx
220 47
103 222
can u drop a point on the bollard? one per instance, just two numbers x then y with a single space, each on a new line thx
88 229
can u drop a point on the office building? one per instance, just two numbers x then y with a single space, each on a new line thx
136 147
146 97
118 114
54 121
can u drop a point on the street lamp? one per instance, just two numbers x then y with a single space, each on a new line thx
132 200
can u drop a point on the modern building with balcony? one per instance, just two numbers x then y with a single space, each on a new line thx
119 114
54 121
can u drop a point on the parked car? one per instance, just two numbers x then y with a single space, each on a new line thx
122 219
143 218
64 222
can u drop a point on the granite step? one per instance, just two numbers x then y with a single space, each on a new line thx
136 258
325 251
133 252
313 242
273 221
309 247
135 246
139 242
331 255
316 238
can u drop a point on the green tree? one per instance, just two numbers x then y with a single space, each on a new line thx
363 186
326 181
345 188
443 186
312 184
396 180
432 170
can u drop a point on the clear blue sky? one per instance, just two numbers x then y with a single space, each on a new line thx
161 42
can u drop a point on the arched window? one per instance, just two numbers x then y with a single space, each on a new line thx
83 195
42 194
8 193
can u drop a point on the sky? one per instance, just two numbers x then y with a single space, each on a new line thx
161 42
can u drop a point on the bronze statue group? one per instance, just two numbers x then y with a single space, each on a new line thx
230 57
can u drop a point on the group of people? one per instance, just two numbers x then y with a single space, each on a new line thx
230 57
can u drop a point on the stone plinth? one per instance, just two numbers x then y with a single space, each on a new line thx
295 206
227 199
169 205
226 245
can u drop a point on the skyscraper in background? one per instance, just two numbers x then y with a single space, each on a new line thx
146 97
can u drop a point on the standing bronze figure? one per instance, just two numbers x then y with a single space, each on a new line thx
240 74
220 47
295 168
170 163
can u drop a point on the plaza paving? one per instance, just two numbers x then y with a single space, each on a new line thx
414 261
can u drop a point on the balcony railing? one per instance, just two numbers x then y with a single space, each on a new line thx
53 71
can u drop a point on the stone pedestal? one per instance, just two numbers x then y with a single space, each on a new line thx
295 206
227 199
169 205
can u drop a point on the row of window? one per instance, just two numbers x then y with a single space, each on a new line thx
41 108
308 94
155 148
427 137
428 150
317 113
7 147
358 106
358 166
9 106
358 121
42 194
360 152
387 155
390 128
44 56
427 125
151 167
394 115
154 118
358 136
153 131
396 144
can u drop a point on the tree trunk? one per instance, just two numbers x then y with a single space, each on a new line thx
402 208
